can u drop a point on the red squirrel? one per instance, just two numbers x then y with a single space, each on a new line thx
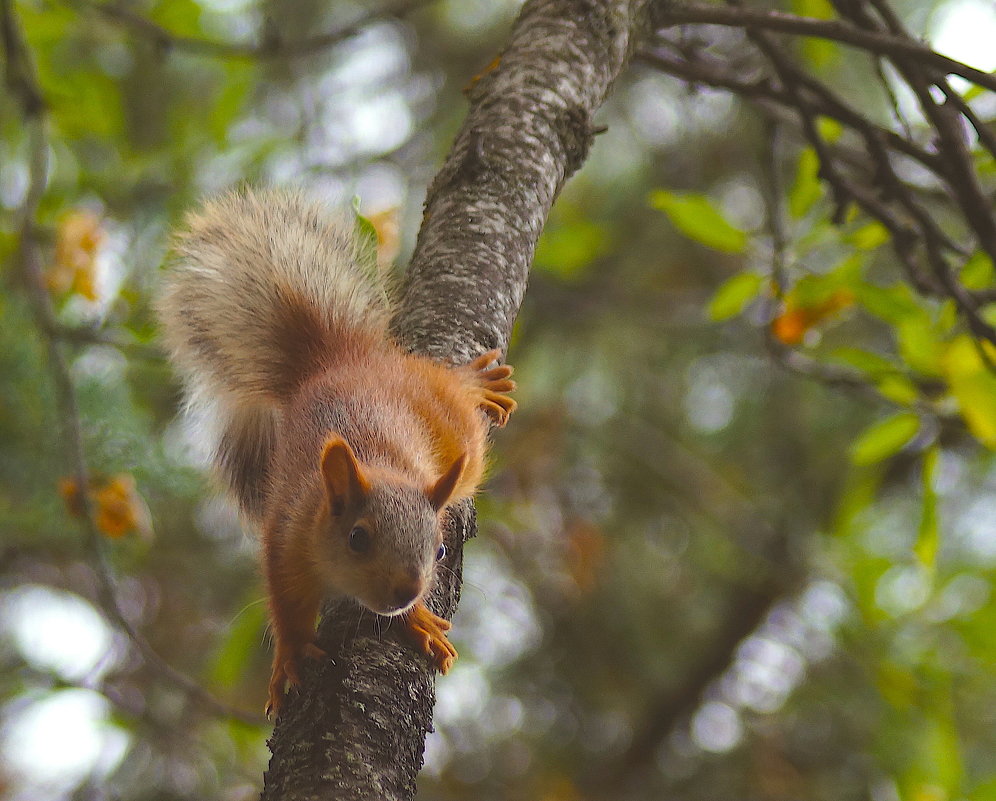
342 448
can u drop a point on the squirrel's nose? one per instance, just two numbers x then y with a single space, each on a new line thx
407 592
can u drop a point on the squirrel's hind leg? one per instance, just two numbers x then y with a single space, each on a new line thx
286 673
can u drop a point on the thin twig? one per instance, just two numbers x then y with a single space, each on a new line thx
959 170
23 85
89 335
834 30
712 73
270 47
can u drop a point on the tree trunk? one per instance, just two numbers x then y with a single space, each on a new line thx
356 730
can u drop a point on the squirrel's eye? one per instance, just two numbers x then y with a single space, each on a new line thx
440 552
359 540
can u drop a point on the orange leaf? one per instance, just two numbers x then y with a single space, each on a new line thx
388 229
559 788
71 495
473 81
78 240
790 327
118 509
585 553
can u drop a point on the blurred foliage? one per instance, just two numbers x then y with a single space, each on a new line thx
739 540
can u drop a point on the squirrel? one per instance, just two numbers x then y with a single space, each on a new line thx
341 447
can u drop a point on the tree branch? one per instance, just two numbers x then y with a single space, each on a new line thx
746 610
356 730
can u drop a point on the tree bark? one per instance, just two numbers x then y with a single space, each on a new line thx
356 729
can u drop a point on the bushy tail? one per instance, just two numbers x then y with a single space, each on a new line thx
264 289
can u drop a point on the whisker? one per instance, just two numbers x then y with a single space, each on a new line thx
244 609
465 582
359 620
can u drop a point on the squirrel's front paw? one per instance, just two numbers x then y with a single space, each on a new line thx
494 383
428 631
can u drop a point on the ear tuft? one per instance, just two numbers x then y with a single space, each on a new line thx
345 483
441 492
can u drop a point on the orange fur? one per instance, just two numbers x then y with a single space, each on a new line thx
345 449
410 421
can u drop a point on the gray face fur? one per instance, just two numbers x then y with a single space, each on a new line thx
396 568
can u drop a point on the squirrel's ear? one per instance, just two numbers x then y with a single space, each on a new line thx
440 492
344 479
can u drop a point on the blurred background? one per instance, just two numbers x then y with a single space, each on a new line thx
699 574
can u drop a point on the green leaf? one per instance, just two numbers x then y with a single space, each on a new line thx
986 791
806 189
973 92
829 128
366 235
977 272
869 237
928 538
811 290
696 217
899 389
893 304
973 386
565 249
919 345
180 17
936 768
947 316
860 489
230 100
863 360
888 377
734 294
819 52
884 438
243 635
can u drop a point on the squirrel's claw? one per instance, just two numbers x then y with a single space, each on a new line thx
498 407
286 673
428 631
485 359
497 373
278 678
312 651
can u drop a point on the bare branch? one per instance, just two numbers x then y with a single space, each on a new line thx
712 73
866 173
834 30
